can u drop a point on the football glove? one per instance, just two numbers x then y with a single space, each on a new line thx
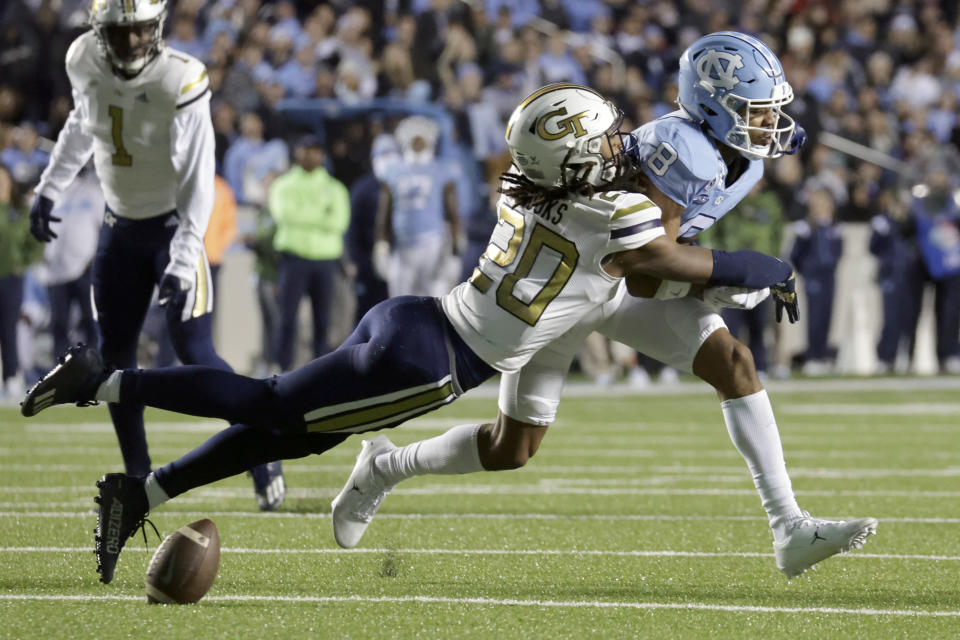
40 219
797 140
785 295
734 297
172 288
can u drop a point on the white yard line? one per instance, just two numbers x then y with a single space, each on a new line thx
509 602
631 553
544 488
737 471
438 516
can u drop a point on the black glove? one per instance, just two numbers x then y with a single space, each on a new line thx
785 295
797 140
40 219
171 288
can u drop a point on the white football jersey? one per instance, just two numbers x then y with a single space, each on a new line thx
130 122
151 138
542 272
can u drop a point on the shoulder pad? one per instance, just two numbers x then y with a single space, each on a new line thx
695 150
619 204
188 78
80 53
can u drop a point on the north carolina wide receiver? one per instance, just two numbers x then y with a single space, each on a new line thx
557 256
142 110
701 160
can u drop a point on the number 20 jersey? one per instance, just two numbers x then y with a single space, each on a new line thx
130 121
542 272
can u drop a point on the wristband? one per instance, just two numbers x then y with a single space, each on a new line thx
749 269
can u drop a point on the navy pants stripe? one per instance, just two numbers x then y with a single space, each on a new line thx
131 256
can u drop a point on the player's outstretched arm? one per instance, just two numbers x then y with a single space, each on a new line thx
662 258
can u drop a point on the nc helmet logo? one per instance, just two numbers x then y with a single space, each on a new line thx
568 125
717 68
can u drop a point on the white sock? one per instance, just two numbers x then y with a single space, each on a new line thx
155 493
109 389
753 429
452 452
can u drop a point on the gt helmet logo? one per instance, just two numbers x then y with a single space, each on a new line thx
717 68
565 127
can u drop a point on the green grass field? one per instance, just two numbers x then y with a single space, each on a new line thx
637 518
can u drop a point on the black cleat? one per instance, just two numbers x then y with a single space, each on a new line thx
123 509
75 379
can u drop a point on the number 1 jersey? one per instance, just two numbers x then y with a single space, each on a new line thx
130 121
542 272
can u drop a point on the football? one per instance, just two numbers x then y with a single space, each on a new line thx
184 565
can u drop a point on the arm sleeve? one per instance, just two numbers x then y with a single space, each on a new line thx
73 149
194 162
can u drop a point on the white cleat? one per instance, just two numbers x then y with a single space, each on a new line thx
810 540
358 501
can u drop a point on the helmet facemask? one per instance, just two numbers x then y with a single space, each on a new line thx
586 163
774 139
130 32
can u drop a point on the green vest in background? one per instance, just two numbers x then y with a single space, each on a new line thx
311 211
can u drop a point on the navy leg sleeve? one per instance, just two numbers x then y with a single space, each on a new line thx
206 392
236 449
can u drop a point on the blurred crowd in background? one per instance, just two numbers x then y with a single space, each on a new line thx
877 84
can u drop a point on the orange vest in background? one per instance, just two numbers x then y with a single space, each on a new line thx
222 230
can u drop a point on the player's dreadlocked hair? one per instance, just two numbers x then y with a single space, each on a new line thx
528 194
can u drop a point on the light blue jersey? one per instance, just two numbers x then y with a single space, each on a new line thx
417 193
682 161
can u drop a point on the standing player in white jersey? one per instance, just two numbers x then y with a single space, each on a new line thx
557 257
143 112
702 160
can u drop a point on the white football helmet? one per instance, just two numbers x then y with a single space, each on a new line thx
130 32
556 136
415 127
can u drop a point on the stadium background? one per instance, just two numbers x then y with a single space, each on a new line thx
877 84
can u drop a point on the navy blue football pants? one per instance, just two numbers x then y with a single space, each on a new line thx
403 359
130 260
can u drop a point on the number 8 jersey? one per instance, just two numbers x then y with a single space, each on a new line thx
542 272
